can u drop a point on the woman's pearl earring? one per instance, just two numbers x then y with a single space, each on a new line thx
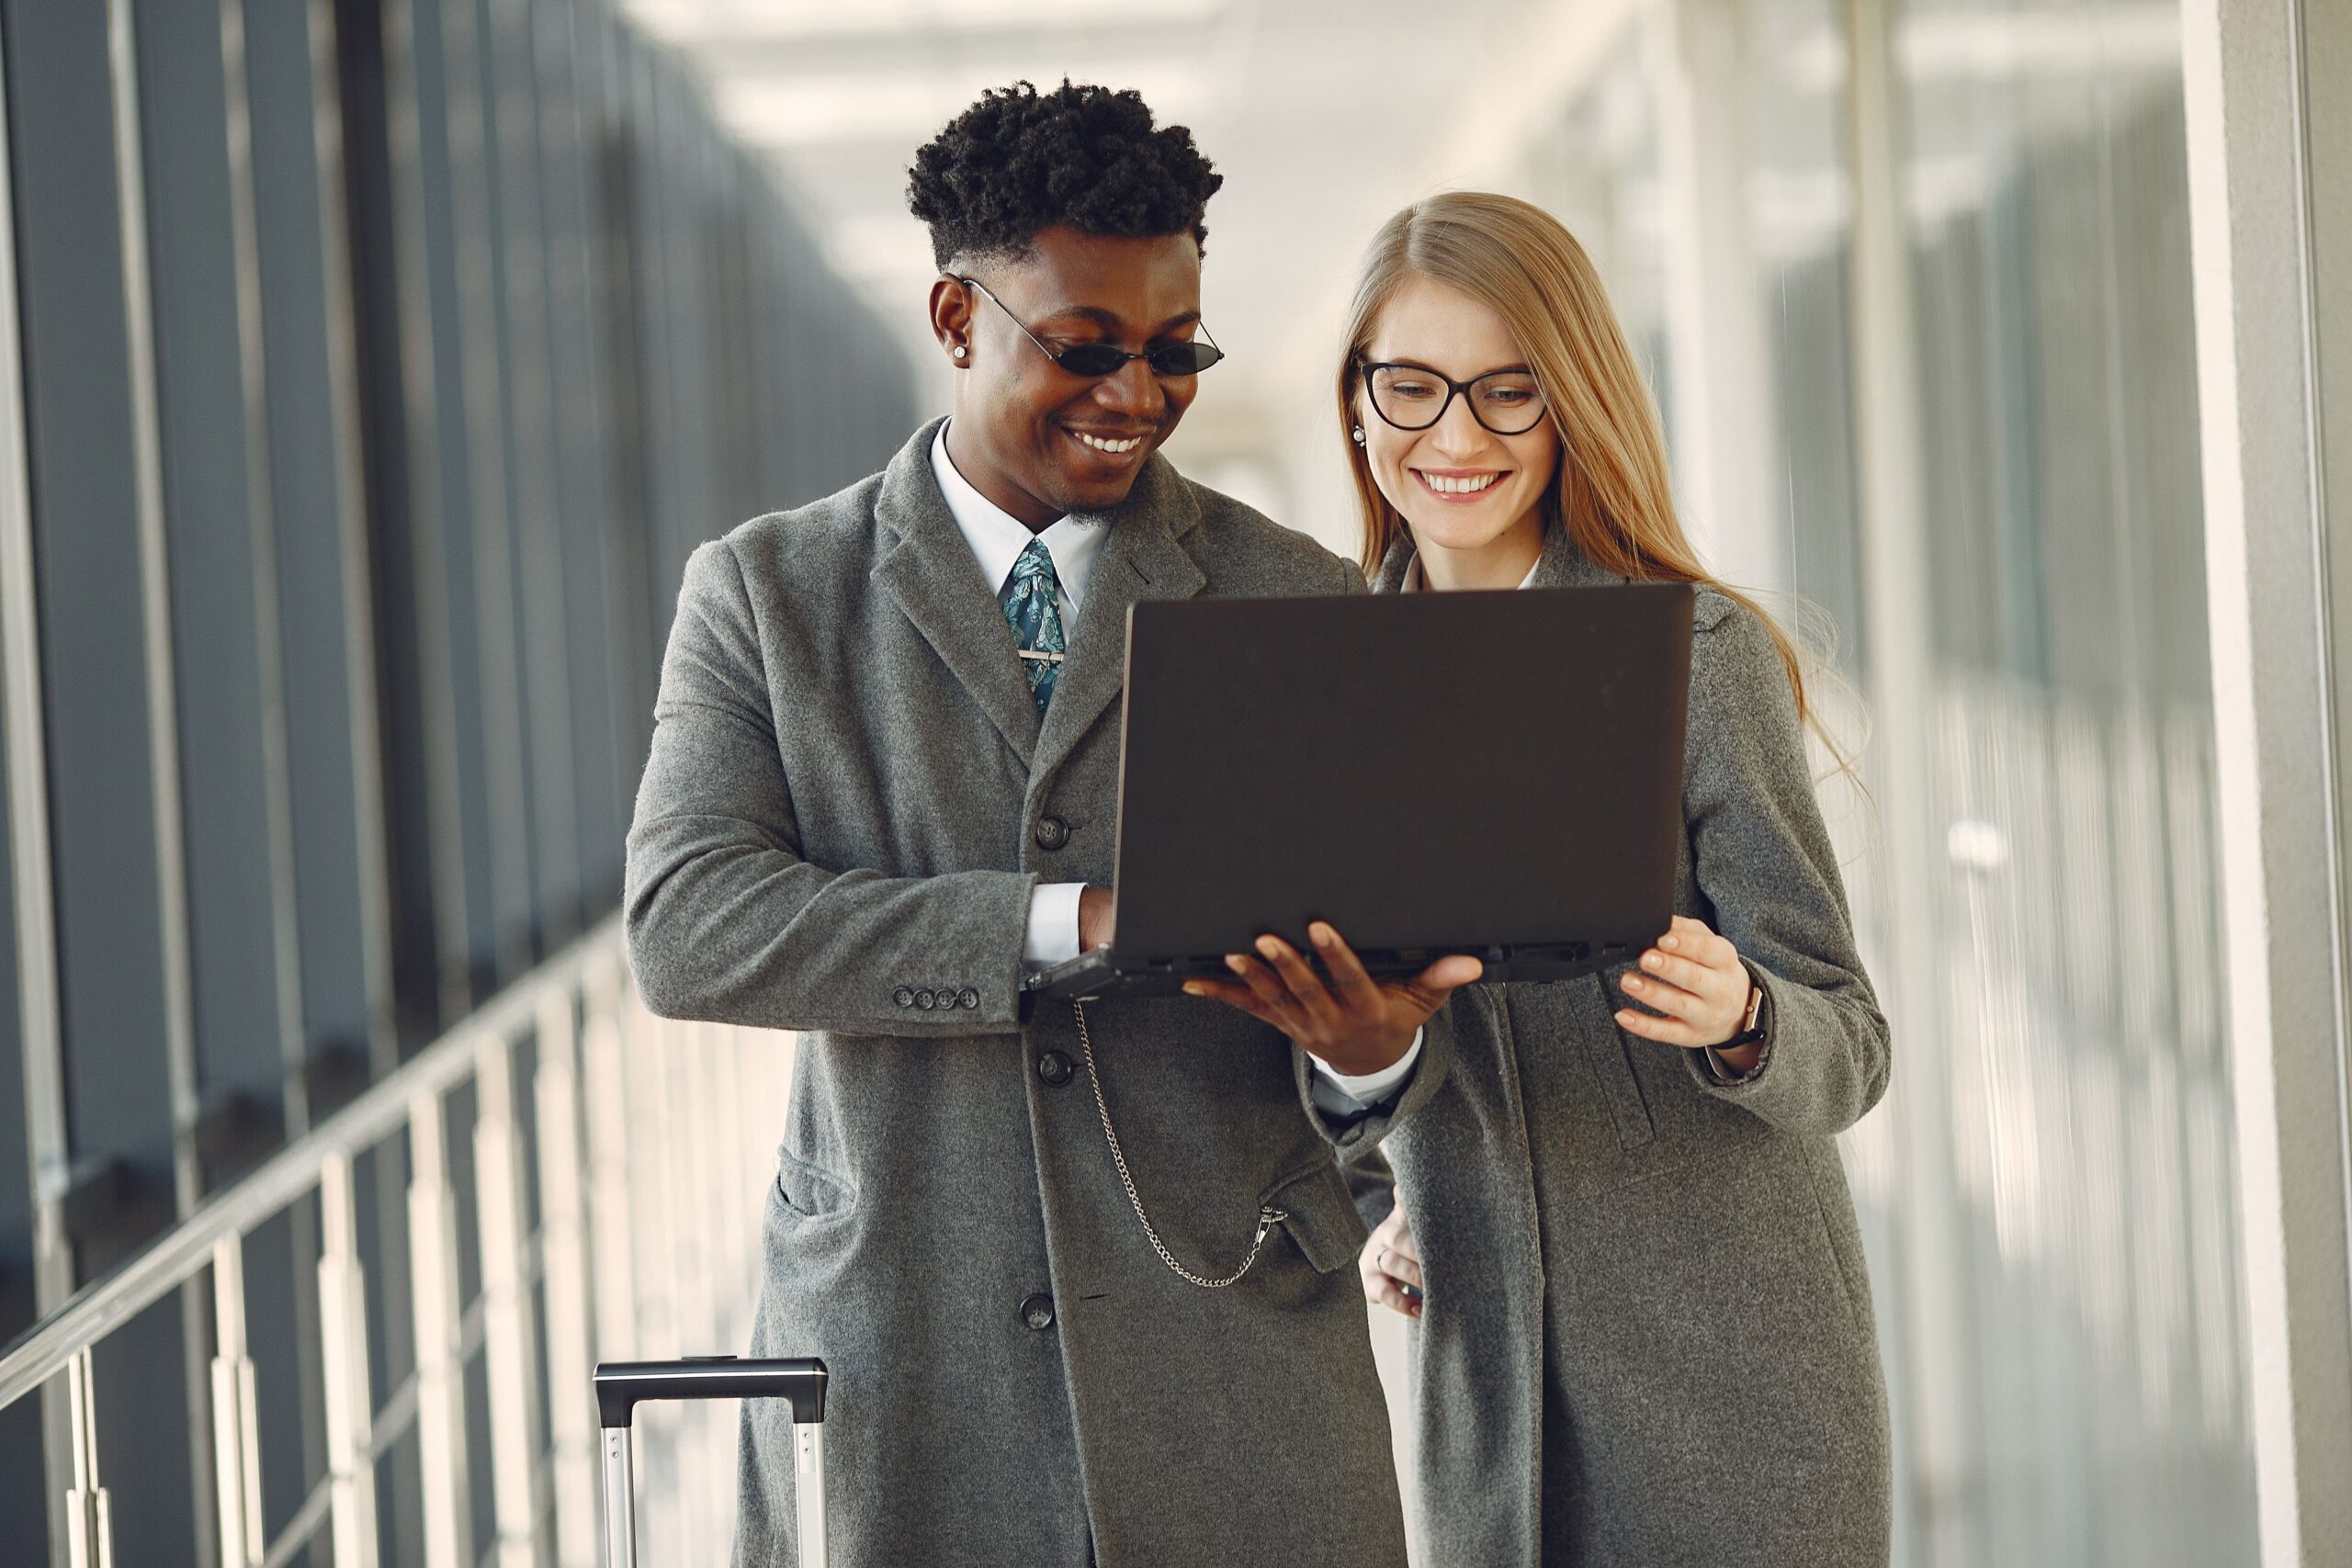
958 351
1358 435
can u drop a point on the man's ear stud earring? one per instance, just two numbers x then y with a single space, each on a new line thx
1358 435
958 351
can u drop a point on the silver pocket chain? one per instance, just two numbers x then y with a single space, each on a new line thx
1268 1215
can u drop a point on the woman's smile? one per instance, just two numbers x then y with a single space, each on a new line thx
1459 487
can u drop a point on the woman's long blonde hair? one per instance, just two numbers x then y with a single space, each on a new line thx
1613 493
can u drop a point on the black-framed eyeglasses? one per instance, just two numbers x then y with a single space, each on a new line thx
1414 396
1096 360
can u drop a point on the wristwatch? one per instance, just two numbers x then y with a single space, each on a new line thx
1756 1023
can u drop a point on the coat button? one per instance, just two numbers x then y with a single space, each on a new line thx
1051 832
1053 1067
926 1000
1037 1311
967 998
904 995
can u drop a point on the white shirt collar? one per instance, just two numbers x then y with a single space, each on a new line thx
997 537
1417 581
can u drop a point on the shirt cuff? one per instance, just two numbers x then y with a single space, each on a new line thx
1370 1089
1053 924
1723 1072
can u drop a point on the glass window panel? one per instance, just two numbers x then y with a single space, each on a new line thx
78 409
2046 194
223 618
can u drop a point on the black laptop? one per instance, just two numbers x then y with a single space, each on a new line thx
1495 774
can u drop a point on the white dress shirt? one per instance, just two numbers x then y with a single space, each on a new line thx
997 539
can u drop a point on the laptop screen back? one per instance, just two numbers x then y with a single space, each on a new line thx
1426 770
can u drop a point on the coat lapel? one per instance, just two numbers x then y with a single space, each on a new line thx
1563 565
929 571
1141 559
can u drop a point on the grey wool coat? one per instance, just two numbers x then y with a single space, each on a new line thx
850 796
1646 1337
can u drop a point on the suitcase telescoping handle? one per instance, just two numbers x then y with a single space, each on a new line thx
619 1386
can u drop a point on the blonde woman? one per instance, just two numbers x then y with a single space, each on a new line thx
1644 1328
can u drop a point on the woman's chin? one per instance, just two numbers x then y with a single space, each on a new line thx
1457 534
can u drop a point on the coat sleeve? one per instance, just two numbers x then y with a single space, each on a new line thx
727 922
1762 858
1353 1136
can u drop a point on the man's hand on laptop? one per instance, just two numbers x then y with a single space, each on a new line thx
1354 1024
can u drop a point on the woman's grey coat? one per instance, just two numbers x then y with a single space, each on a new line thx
850 796
1647 1337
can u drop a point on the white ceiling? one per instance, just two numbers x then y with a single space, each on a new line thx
1323 115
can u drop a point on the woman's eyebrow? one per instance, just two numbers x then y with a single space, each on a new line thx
1499 370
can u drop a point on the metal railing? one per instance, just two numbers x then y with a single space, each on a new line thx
649 1140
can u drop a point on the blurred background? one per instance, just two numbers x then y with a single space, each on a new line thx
376 363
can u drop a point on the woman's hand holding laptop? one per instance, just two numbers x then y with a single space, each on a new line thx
1354 1024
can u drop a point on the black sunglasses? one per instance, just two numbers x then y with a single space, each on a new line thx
1096 360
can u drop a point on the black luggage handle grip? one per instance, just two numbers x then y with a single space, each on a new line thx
620 1384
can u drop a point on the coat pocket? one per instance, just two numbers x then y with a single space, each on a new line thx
809 1191
1579 1017
1609 1049
1320 1216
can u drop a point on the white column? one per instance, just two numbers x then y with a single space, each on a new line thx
1942 1442
2268 603
1719 341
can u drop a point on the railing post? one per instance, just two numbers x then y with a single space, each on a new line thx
440 1381
649 1056
563 1246
609 1206
89 1530
237 1445
343 1355
506 1306
707 1486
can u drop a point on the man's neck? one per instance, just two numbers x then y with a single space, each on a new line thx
985 477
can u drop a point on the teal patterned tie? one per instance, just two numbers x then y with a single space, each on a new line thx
1034 609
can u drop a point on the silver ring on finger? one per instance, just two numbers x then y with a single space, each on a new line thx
1382 1260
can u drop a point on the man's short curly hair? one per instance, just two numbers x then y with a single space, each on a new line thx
1086 157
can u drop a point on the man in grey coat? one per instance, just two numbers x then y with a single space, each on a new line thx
883 781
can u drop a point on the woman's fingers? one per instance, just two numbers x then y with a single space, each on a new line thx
1695 978
1696 939
1398 1264
1666 1031
1682 971
1659 997
1390 1263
